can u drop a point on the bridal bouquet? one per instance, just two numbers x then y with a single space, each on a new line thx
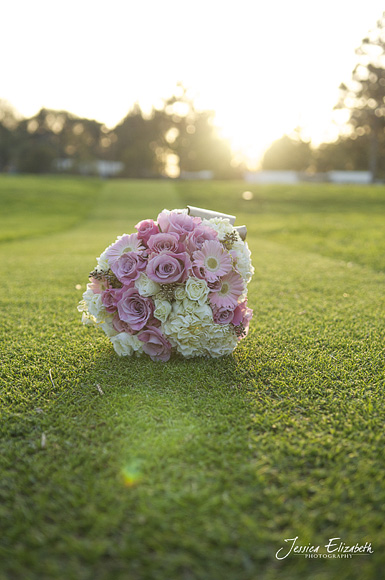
176 285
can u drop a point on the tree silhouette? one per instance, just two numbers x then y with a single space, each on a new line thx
9 119
364 96
288 153
194 139
60 141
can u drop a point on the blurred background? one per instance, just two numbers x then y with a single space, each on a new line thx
262 91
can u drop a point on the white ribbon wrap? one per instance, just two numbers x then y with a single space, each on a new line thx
208 214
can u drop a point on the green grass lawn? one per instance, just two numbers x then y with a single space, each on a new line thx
195 469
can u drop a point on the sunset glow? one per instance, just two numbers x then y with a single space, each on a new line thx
264 68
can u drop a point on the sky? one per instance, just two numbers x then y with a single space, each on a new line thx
263 67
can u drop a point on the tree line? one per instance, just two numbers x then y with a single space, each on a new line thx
146 145
361 145
178 135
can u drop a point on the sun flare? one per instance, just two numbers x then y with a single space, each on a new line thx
264 68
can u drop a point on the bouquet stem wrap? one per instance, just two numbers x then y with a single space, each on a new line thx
209 214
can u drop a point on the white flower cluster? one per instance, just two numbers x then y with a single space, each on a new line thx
241 249
126 344
243 264
221 225
191 330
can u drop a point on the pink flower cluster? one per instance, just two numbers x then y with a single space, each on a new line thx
169 251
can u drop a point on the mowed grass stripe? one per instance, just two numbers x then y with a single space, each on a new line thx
53 266
338 221
36 206
192 469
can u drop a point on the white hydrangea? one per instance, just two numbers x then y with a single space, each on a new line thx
243 262
220 225
191 330
168 211
108 327
145 286
87 319
82 307
184 333
102 261
126 344
219 340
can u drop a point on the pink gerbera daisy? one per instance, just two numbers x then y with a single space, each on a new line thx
232 288
214 259
126 243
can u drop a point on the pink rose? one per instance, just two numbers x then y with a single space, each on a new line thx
128 267
155 344
223 315
162 220
146 228
110 299
166 267
135 309
121 326
165 243
182 224
242 315
199 236
198 272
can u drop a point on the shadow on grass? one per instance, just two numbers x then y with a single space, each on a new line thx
142 408
149 465
180 391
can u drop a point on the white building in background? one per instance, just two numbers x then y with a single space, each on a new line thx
108 168
359 177
293 177
263 177
205 174
100 167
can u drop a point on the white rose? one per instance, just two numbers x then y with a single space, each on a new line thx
94 304
180 293
145 286
162 310
187 306
197 289
178 308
